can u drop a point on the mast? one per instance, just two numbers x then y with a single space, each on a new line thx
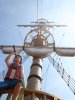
34 79
38 48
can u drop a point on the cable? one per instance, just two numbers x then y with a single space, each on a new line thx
3 74
65 76
41 8
67 69
25 57
61 39
37 9
46 73
20 36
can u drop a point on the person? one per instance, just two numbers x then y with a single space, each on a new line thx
14 77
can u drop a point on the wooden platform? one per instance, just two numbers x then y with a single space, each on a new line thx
4 91
32 93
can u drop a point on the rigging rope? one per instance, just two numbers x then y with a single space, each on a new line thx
46 76
45 71
37 9
25 57
20 37
3 74
67 78
41 8
61 39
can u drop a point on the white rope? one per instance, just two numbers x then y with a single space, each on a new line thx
67 78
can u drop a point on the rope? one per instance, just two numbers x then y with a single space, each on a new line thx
46 74
67 78
45 71
46 78
41 8
61 39
25 57
20 37
3 74
37 9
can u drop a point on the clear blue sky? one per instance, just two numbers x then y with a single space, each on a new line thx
14 12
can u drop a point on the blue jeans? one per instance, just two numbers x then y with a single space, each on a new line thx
9 83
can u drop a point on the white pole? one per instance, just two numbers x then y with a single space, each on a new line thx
34 79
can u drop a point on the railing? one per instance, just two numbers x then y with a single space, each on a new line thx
33 94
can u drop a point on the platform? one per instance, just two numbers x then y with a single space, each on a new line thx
32 93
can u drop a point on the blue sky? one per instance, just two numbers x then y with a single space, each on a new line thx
14 12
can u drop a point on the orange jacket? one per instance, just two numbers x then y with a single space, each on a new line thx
15 72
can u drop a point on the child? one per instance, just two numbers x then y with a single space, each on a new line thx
14 78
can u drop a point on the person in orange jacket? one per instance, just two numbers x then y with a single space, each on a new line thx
14 78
